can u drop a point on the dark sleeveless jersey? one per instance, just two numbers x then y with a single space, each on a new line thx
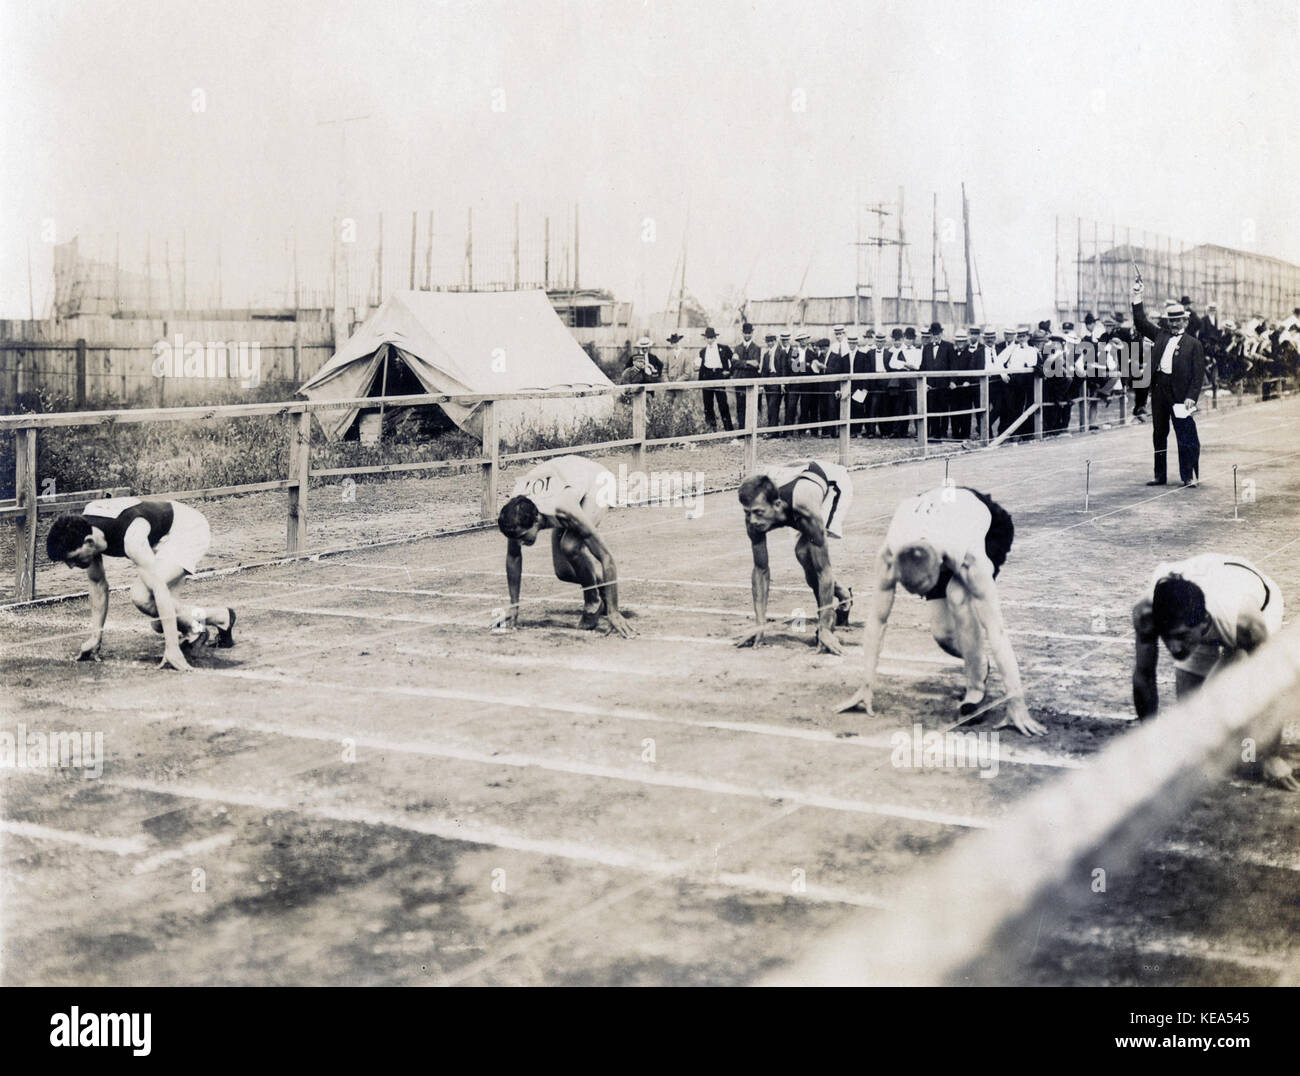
158 514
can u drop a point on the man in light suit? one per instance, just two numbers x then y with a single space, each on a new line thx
1178 372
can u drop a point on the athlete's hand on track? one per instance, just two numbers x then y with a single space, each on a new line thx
860 701
1279 772
753 638
90 650
1018 714
618 623
827 643
507 621
174 659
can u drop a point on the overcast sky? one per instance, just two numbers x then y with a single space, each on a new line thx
764 120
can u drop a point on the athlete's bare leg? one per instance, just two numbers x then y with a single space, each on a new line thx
187 623
943 628
574 564
969 639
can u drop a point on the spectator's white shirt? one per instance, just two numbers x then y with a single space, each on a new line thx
879 358
1167 359
1020 359
713 357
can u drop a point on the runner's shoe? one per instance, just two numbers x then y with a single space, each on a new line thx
842 610
225 638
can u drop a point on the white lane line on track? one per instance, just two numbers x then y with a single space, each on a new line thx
686 782
1185 946
706 583
1257 859
187 851
891 664
119 846
448 828
877 741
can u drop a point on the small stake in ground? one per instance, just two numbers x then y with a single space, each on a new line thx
1236 515
1087 483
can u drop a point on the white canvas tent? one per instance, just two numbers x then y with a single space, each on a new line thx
465 342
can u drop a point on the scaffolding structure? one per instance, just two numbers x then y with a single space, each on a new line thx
1098 278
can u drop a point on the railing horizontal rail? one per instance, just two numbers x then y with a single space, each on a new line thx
828 395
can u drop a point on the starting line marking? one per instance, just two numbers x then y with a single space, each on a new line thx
118 846
877 741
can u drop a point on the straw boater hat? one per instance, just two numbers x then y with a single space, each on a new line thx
643 342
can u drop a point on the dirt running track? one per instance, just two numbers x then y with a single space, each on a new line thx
373 788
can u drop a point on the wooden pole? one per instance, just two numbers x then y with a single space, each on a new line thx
25 492
546 255
1038 409
846 423
751 429
415 218
984 410
299 475
898 287
934 273
922 412
516 246
428 256
575 246
491 463
965 223
639 429
379 260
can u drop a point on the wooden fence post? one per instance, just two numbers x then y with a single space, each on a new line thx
638 429
923 413
299 475
25 533
846 422
751 429
491 462
1038 414
984 410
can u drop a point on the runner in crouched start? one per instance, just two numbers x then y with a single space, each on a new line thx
813 500
165 541
1209 610
568 495
948 545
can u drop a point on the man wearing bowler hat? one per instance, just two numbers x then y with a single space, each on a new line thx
745 362
938 354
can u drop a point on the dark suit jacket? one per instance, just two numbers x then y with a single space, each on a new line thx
724 353
781 361
940 356
745 359
1189 358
